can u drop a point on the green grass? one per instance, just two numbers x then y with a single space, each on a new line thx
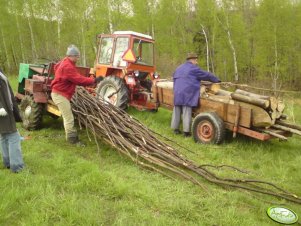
66 185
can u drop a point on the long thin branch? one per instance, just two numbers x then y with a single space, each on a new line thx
144 147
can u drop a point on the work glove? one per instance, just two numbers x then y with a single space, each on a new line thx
3 112
98 79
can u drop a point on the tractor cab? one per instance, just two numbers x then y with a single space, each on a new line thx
125 50
126 60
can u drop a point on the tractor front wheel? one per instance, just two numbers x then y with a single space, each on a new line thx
113 90
31 113
208 128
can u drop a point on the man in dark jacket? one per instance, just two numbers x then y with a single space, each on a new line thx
9 136
187 78
63 87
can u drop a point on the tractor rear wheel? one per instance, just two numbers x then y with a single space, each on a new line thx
113 90
31 113
208 128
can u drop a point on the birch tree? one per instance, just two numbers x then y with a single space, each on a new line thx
207 46
226 27
16 8
29 14
205 20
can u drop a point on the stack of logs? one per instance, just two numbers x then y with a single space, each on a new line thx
270 104
274 106
267 111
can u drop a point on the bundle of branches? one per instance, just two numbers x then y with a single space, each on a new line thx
142 145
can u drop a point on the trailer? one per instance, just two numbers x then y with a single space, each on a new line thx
220 110
125 59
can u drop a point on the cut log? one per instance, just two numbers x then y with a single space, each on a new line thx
278 114
203 91
284 128
274 134
249 94
222 92
251 100
280 106
215 87
273 103
260 118
273 115
288 124
223 99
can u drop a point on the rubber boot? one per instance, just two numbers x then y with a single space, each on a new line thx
187 134
73 139
177 131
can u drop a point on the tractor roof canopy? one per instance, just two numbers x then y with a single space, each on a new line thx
132 33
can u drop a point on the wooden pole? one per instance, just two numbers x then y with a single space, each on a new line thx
287 124
274 134
294 131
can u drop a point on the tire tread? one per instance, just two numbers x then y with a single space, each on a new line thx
34 121
118 83
217 123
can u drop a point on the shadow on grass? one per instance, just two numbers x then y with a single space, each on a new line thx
243 139
52 122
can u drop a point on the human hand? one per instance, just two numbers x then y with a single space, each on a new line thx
3 112
98 79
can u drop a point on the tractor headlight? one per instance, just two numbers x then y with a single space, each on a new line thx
136 73
156 75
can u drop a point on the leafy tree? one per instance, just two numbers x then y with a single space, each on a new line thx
273 21
246 40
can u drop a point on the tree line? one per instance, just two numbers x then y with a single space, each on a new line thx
245 41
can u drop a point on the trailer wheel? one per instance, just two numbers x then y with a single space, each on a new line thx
113 90
208 128
31 113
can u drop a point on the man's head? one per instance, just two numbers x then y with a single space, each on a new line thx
192 57
73 53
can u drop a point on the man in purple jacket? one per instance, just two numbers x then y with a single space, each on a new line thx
187 78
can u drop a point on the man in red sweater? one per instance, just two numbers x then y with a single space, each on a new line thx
63 87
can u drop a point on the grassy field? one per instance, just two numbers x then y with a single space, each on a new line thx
66 185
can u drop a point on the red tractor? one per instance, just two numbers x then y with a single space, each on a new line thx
126 60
